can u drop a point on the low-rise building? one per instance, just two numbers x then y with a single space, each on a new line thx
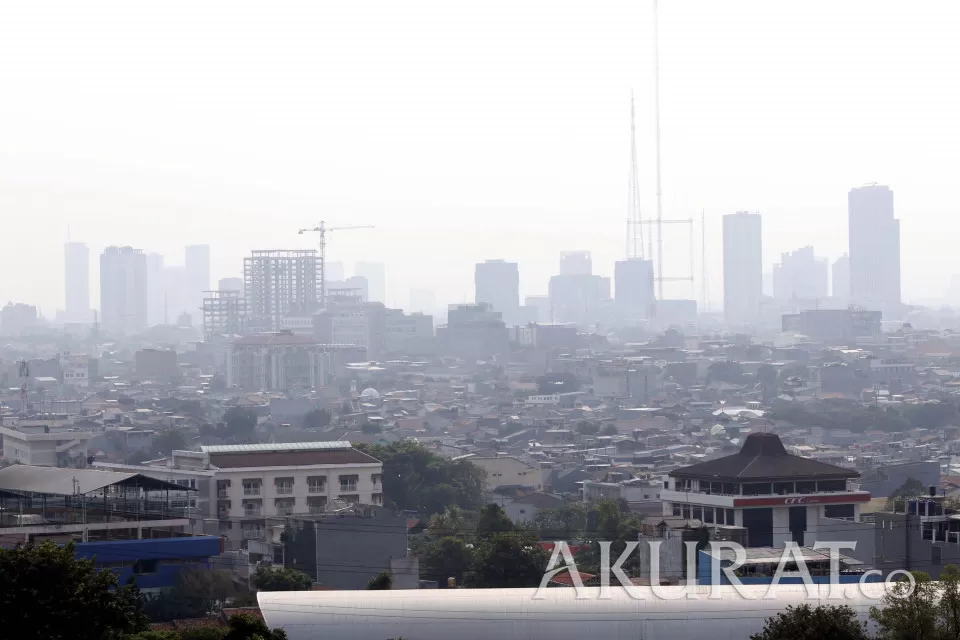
45 443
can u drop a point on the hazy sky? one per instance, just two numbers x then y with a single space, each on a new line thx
467 130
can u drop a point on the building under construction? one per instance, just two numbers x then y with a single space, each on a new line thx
278 283
223 314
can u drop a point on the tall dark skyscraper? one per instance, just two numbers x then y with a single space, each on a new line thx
498 284
742 267
874 248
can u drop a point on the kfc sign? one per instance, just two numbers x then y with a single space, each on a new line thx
796 501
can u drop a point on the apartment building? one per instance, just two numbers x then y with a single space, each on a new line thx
44 443
243 486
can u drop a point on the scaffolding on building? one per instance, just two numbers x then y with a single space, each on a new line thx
278 283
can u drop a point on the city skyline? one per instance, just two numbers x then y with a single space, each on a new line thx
425 143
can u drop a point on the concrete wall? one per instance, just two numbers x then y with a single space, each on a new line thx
900 545
345 552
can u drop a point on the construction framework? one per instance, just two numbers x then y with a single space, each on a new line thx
223 313
280 282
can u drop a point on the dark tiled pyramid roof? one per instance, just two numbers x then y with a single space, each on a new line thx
761 457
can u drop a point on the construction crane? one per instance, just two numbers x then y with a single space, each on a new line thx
323 229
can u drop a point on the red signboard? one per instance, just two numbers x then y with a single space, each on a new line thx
797 501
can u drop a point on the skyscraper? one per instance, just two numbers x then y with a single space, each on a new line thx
576 263
230 284
76 282
840 276
800 275
742 267
497 283
633 288
874 248
197 264
123 289
376 276
156 290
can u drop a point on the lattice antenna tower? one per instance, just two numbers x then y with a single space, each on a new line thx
634 216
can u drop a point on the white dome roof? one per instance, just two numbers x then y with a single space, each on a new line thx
370 393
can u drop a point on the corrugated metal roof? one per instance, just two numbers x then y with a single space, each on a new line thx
276 446
67 482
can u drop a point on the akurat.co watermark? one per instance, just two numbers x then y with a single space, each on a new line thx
723 572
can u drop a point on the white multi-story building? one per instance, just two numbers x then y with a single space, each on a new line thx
245 485
45 443
277 362
75 369
404 330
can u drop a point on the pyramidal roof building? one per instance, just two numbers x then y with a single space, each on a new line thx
775 496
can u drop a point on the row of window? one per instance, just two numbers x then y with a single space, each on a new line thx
288 506
760 488
707 515
283 486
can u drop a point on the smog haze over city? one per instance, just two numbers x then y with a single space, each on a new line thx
615 319
467 131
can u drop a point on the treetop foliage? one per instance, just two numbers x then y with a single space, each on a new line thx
417 480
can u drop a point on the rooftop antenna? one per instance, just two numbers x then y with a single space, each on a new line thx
656 115
634 217
658 222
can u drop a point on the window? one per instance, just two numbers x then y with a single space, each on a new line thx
676 509
316 484
317 504
146 566
708 515
283 486
223 506
251 507
226 526
251 487
377 479
349 483
284 506
731 517
352 499
222 488
377 498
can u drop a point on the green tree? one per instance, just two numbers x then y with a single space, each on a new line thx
493 519
443 559
454 521
317 419
823 622
240 421
609 430
909 614
383 581
507 560
247 627
949 604
47 593
565 523
416 479
280 579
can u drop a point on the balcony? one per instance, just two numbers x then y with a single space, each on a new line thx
348 487
284 489
222 493
317 488
255 512
251 491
